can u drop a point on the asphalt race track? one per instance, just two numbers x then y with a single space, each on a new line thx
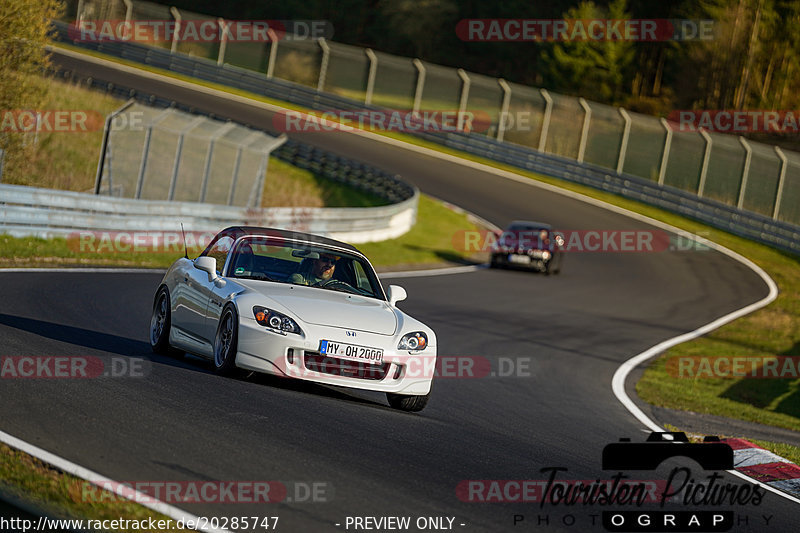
180 422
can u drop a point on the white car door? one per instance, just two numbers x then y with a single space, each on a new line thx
192 297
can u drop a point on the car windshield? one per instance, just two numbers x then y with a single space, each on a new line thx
312 265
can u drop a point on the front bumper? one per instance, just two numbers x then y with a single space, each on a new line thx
295 356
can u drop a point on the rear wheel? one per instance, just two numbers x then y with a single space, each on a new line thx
408 403
226 341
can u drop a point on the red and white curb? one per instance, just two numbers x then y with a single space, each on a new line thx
765 466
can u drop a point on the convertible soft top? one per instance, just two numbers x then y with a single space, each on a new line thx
238 231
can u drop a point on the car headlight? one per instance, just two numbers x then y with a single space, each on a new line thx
416 341
274 320
545 255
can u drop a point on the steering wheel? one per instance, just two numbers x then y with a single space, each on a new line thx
333 283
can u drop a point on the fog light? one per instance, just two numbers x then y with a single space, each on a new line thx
397 372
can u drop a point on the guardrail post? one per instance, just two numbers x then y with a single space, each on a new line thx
373 71
420 85
104 144
273 52
587 117
748 154
662 169
177 15
323 67
209 154
781 179
176 166
704 169
462 103
623 145
548 110
223 40
501 123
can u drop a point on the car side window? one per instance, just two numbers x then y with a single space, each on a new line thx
219 251
361 277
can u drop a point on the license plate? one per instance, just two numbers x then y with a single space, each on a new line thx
353 352
523 259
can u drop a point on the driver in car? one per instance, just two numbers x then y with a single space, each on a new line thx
321 271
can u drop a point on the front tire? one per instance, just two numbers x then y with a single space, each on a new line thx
226 342
404 402
160 324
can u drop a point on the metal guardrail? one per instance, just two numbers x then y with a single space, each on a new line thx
751 225
49 213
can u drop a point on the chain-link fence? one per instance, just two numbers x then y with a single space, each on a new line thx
165 154
750 175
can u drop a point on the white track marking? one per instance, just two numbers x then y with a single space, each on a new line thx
623 371
96 479
432 272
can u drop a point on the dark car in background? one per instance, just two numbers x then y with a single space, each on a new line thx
529 245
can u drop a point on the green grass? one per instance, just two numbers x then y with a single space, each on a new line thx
62 495
429 242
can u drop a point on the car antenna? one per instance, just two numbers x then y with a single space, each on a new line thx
185 251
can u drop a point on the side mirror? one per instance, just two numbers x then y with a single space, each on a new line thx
396 293
207 265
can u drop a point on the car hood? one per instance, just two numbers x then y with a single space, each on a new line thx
329 308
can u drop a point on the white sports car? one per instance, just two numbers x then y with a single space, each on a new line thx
294 305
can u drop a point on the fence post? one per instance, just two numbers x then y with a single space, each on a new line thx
235 176
748 154
373 71
323 67
273 52
662 169
779 193
223 40
258 184
623 145
548 109
177 15
587 117
207 167
462 103
128 12
146 151
501 126
104 145
420 85
177 164
704 169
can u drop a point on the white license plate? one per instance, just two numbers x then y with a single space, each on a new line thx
353 352
522 259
